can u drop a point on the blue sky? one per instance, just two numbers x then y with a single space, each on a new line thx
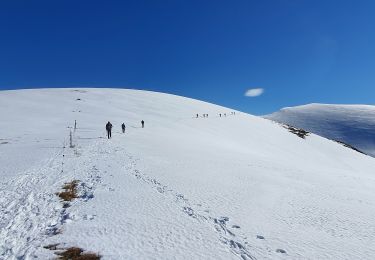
298 51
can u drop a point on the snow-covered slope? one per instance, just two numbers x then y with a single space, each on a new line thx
351 124
236 187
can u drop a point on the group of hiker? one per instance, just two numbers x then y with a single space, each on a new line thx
220 114
109 126
225 114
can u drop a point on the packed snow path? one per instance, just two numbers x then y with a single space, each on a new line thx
238 187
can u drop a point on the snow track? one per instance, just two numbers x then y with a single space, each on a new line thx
236 244
27 205
30 209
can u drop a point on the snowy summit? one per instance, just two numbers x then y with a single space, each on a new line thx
351 124
183 187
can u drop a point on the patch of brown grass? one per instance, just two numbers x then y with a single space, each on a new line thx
76 253
70 191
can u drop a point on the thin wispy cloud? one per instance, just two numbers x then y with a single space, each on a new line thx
254 92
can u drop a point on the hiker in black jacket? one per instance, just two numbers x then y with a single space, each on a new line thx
108 127
143 123
123 127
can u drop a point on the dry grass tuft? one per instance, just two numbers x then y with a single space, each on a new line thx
70 191
70 253
76 253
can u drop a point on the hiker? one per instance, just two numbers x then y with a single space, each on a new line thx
225 114
197 115
123 127
143 123
108 127
220 115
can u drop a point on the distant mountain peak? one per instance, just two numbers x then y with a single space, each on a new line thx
352 124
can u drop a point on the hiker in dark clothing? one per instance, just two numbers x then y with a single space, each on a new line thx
220 115
123 127
108 127
143 123
197 115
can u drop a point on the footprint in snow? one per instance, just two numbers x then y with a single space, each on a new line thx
66 217
221 220
88 217
181 197
189 211
281 251
160 189
260 237
87 195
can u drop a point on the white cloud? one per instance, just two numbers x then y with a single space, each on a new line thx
254 92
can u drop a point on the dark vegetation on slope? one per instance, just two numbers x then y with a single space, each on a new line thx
297 131
303 133
350 146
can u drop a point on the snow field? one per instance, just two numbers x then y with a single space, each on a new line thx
236 187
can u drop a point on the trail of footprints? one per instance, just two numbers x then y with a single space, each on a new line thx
227 233
85 193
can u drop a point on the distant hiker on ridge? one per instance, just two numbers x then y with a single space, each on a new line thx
143 123
108 127
197 115
123 127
